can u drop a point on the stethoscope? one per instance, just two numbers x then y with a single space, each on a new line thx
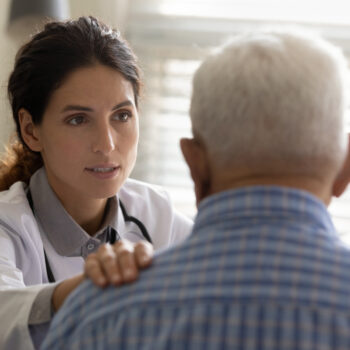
112 234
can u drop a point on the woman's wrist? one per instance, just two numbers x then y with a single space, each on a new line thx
62 291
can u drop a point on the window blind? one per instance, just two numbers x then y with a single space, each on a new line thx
171 38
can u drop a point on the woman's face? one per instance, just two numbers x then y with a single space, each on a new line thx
89 134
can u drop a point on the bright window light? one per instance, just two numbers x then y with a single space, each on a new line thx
171 35
308 11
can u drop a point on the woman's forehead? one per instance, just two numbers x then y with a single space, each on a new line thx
96 85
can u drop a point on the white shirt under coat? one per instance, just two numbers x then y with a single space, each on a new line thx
23 238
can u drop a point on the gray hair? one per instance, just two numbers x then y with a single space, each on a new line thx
273 99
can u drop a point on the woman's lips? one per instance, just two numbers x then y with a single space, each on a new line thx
103 172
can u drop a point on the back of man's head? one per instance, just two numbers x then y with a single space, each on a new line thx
273 102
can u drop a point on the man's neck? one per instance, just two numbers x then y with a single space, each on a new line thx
316 186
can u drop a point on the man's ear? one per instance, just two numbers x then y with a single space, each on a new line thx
197 160
28 130
343 178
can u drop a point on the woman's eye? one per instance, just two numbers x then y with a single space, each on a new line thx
122 116
79 119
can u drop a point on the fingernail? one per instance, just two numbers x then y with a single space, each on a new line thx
101 280
145 259
115 278
129 273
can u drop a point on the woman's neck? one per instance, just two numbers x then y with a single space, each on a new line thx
87 213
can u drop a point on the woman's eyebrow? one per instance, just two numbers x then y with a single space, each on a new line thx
122 104
76 108
69 108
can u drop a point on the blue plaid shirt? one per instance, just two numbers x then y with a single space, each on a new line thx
263 269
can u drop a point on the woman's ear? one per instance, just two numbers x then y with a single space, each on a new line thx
29 130
196 158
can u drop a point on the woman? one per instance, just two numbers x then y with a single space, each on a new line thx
74 94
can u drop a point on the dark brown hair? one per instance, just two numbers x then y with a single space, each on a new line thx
42 64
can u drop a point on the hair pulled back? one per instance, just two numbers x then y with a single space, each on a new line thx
41 66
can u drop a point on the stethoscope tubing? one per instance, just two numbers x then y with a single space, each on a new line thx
126 216
137 222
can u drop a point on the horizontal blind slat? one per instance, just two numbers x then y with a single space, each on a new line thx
170 48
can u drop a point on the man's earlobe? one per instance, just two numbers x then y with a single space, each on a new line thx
197 160
343 178
28 130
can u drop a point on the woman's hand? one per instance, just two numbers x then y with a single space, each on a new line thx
111 264
118 263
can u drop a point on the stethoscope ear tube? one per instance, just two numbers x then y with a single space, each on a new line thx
137 222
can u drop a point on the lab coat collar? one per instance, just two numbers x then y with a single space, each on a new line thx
65 235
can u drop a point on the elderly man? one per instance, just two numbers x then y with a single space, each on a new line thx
263 268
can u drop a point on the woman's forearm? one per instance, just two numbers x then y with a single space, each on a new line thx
64 289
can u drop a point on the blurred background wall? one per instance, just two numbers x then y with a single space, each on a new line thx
105 10
7 52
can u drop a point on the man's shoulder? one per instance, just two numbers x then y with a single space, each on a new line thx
251 266
184 320
218 279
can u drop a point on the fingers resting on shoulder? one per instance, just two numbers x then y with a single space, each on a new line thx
118 263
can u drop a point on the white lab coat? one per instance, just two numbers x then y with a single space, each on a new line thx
22 242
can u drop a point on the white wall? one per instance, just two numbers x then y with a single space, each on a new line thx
113 12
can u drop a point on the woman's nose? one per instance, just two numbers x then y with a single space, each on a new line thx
104 140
